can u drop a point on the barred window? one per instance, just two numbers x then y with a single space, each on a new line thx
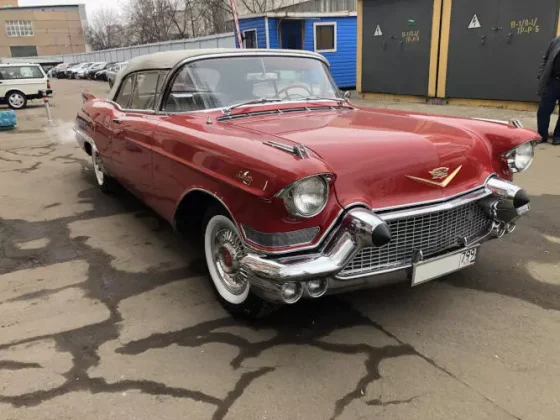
16 28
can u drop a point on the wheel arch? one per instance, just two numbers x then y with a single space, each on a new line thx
195 202
9 91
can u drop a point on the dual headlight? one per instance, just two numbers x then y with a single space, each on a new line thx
521 157
306 197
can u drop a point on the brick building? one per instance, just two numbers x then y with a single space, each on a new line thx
41 30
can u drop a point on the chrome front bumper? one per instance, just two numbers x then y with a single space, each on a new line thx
502 202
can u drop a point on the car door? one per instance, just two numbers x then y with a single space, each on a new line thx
104 126
133 129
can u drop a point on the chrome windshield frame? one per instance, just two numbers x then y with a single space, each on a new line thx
179 66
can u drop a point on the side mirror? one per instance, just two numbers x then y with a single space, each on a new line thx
347 95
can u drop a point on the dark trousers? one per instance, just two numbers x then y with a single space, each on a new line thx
546 108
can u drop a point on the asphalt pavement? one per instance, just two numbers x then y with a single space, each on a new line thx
106 313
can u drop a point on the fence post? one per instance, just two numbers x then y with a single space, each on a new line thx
50 122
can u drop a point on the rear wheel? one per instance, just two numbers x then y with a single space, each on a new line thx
104 181
223 250
16 100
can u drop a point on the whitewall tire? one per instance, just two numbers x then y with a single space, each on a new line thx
104 182
223 250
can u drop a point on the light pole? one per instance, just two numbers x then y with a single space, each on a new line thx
236 21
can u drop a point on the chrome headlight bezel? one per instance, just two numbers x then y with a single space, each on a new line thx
510 156
290 202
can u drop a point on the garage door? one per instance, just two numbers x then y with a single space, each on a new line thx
495 47
396 46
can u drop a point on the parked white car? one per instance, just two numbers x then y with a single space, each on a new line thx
22 82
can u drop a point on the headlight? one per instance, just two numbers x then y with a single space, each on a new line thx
520 158
307 197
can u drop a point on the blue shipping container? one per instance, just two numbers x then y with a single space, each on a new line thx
331 34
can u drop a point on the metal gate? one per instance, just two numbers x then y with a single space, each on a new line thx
396 46
495 47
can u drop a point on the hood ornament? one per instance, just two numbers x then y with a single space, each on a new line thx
437 174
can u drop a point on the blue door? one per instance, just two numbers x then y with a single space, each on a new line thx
292 34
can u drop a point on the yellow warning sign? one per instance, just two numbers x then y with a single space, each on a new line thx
526 26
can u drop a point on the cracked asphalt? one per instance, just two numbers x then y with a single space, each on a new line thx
105 313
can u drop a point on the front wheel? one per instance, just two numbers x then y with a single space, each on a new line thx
223 250
16 100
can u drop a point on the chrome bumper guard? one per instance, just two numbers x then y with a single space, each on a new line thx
501 200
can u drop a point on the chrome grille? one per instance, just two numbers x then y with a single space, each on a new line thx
431 233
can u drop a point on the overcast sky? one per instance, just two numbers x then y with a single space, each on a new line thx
90 4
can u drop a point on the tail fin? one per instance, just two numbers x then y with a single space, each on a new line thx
86 96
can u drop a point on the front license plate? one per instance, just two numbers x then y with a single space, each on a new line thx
431 269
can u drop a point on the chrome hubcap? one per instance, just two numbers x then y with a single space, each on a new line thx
16 100
227 250
97 168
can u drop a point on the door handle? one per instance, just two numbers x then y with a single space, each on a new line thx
117 121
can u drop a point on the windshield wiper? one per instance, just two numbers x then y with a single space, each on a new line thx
227 111
325 98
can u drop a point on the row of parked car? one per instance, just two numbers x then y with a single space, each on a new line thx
88 70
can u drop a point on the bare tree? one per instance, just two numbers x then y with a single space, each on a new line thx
105 30
260 6
150 20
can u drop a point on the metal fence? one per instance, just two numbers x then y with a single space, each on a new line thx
226 40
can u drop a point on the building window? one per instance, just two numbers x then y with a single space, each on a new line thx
15 28
250 38
325 37
23 51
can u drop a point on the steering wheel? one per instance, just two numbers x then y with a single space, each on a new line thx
295 86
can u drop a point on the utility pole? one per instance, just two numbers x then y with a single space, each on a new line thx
236 21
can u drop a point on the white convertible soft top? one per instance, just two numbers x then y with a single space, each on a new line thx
166 60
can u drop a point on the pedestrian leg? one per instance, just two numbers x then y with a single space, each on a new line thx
546 108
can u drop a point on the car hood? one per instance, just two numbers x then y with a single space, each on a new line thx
382 158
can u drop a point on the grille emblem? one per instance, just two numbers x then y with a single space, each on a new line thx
438 173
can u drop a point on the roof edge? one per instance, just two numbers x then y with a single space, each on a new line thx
309 15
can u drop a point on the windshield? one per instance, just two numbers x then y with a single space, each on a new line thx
223 82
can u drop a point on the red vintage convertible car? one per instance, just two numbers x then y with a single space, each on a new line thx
296 191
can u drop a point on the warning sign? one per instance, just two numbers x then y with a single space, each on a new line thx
475 23
378 31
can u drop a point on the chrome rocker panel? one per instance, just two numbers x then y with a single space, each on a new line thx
502 201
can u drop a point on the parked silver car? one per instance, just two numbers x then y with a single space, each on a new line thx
112 72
